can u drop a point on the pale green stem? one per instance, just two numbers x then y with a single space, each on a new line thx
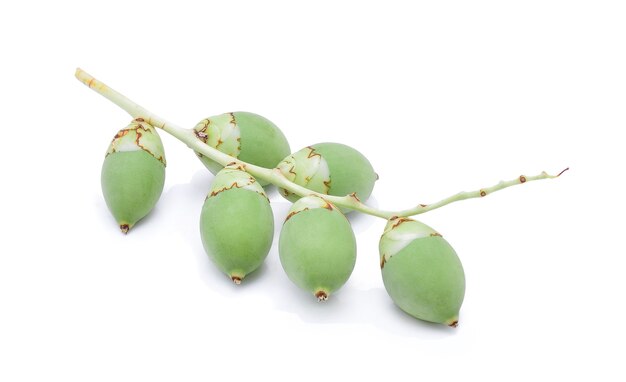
274 176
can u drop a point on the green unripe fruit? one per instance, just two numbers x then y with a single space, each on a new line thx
133 173
246 136
329 168
317 247
236 223
421 271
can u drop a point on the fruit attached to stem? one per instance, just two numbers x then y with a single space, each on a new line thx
133 173
243 135
329 168
317 247
236 223
421 271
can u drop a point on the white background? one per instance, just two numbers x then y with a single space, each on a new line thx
441 97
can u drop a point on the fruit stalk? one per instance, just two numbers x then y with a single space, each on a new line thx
274 176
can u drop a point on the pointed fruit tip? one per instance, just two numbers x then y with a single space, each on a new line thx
321 296
453 324
124 228
236 279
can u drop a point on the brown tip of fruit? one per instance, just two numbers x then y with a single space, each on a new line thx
454 324
236 279
124 228
321 295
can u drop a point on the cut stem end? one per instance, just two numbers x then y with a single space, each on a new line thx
236 279
321 296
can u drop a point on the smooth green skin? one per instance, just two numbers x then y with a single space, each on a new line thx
132 182
350 171
262 143
237 229
317 250
426 280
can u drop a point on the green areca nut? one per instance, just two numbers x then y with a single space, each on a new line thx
133 173
317 247
421 271
246 136
329 168
236 223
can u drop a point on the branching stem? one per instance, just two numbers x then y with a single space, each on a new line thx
274 176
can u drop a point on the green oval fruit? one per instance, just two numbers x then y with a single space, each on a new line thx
329 168
133 173
236 223
317 247
421 271
246 136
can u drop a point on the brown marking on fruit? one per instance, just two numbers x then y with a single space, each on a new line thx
239 146
124 228
312 153
294 213
139 135
400 221
522 179
321 295
139 119
482 193
423 205
454 324
327 205
232 119
291 171
327 185
436 234
219 143
394 217
353 195
201 133
383 260
236 279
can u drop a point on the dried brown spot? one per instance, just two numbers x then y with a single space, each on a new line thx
312 153
436 234
353 195
232 119
400 221
327 185
482 193
454 324
124 228
321 295
294 213
139 119
328 206
236 279
423 205
383 260
394 217
219 142
522 179
292 172
201 133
